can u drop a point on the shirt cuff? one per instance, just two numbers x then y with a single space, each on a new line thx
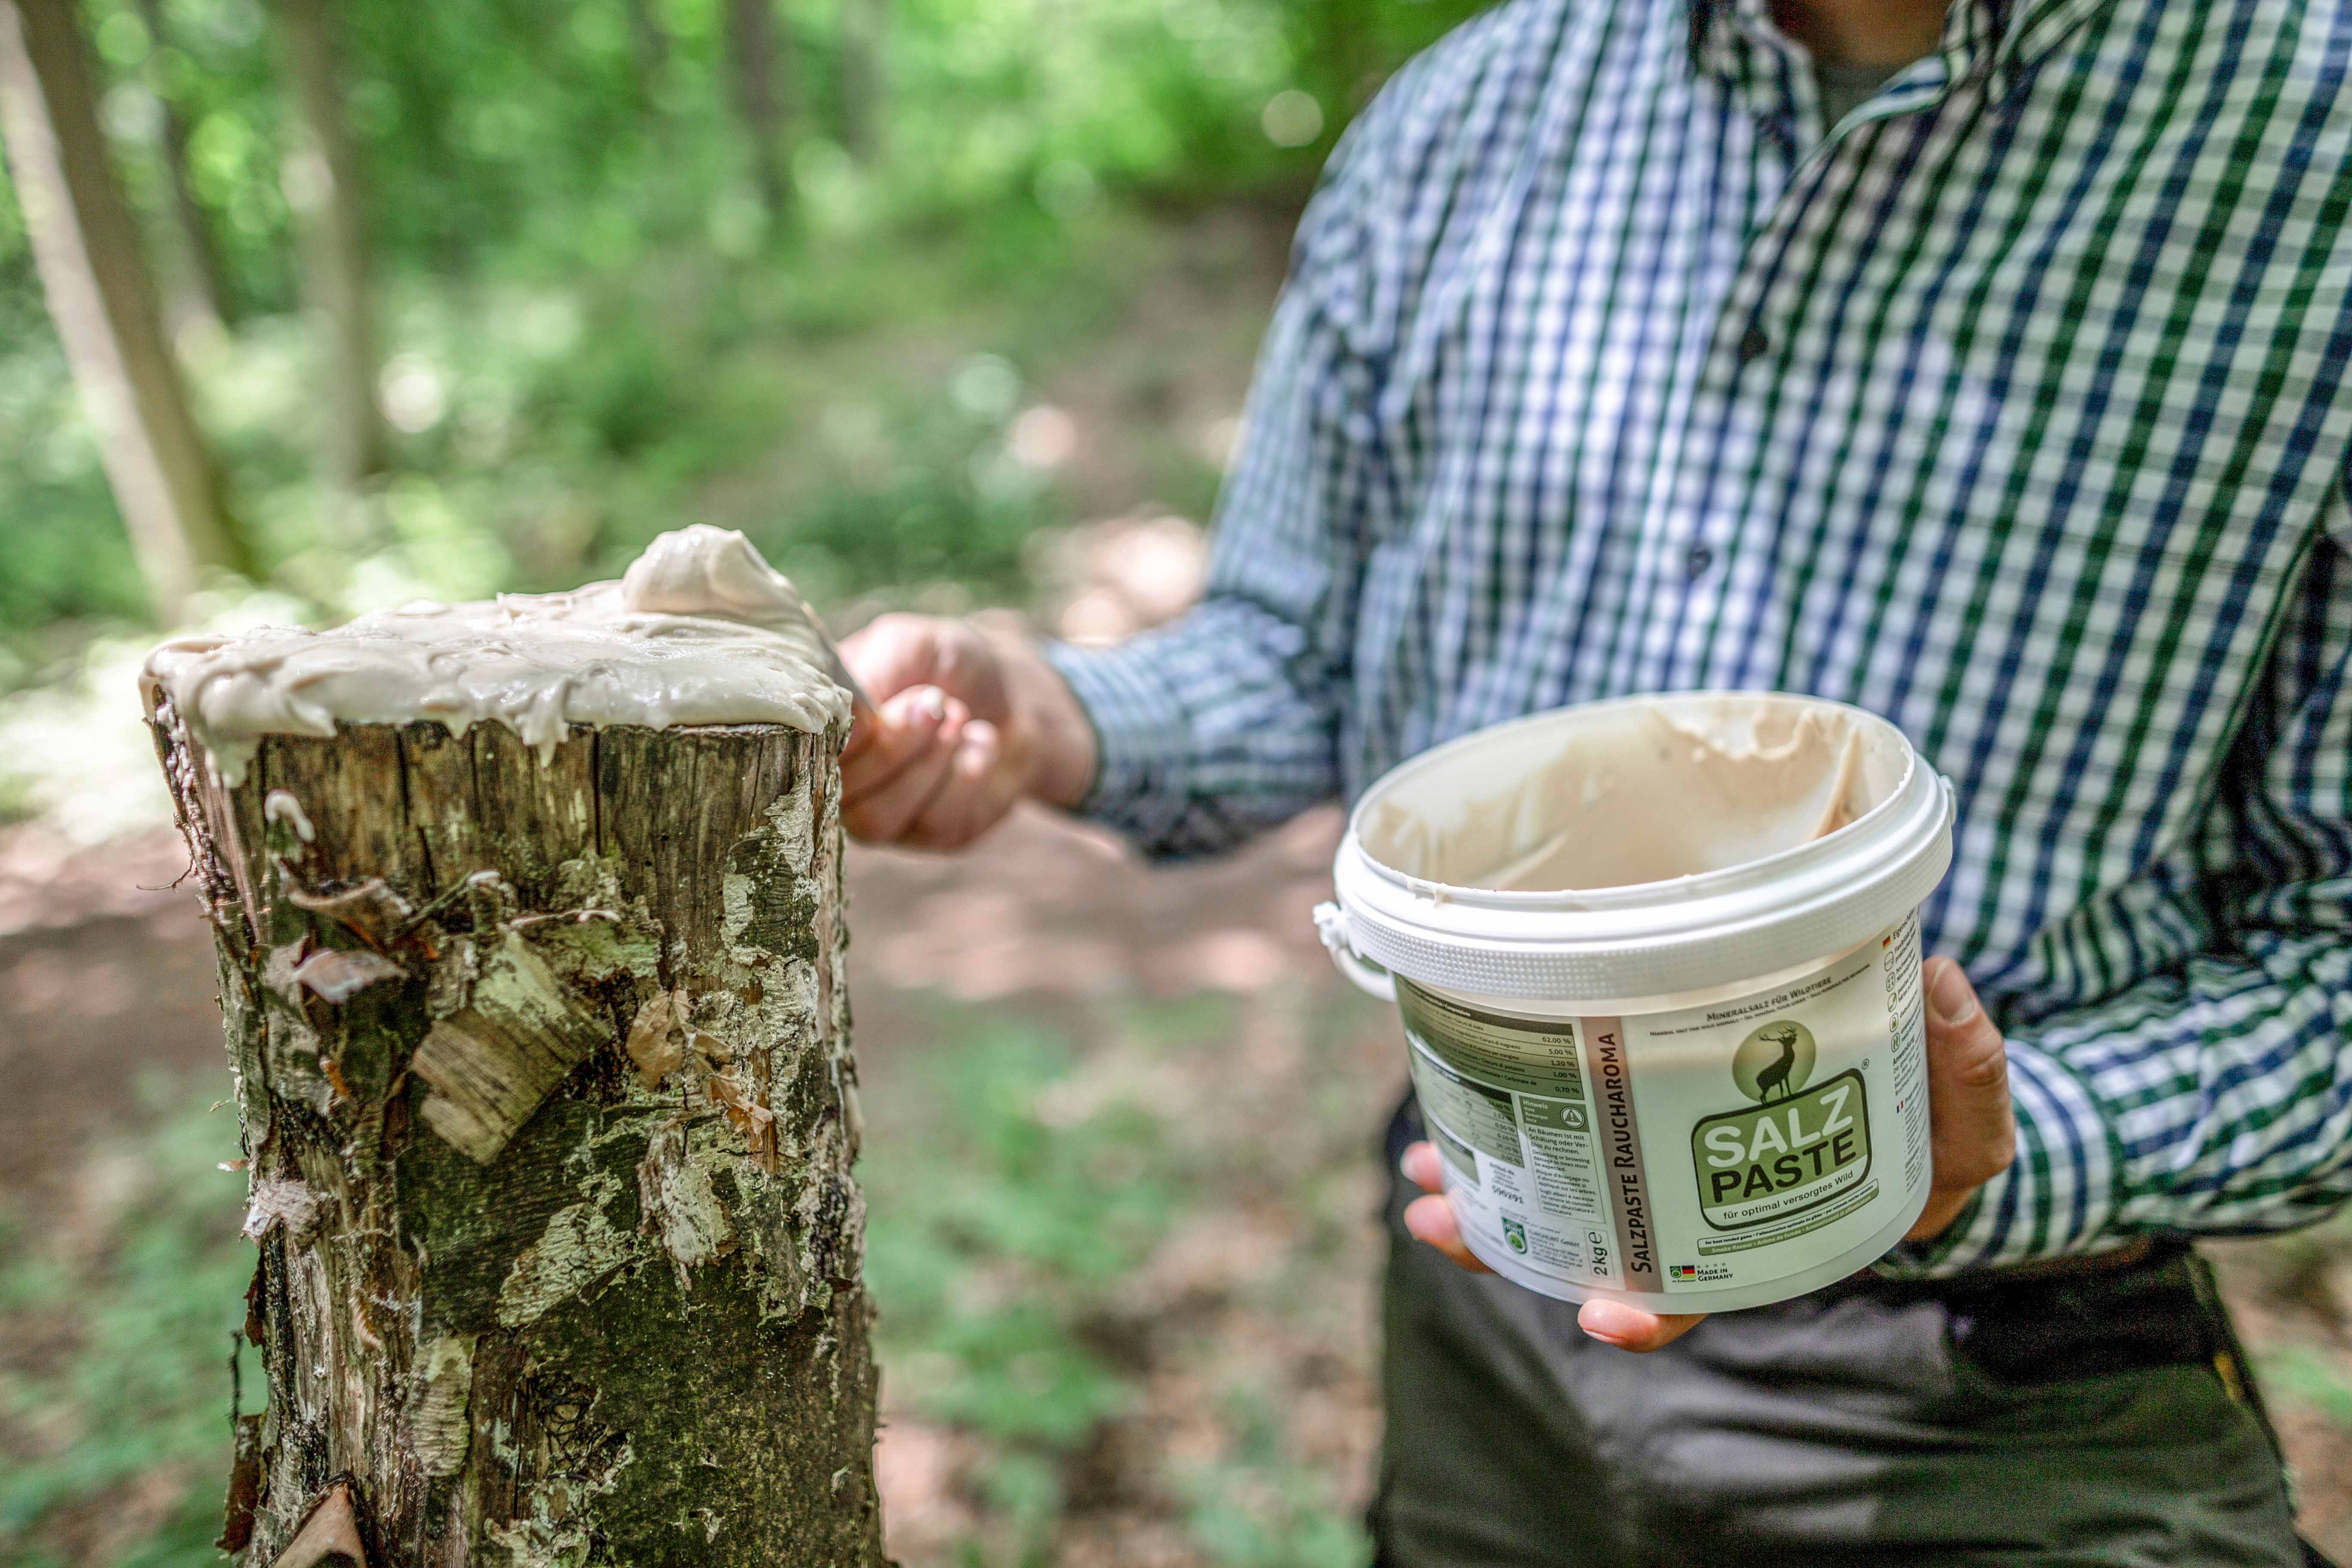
2057 1196
1140 734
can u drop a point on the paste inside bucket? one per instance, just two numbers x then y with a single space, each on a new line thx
1641 792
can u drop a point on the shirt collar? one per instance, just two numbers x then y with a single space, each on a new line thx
1738 41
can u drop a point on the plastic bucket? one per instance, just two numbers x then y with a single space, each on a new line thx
1658 965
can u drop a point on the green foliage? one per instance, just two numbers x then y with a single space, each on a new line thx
994 1238
1014 1192
1013 1198
589 160
147 1301
1257 1509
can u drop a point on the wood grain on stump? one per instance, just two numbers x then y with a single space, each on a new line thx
547 1092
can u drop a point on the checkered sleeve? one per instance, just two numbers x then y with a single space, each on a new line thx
2216 1099
1225 722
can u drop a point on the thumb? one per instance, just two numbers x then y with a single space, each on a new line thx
889 655
1974 1131
893 652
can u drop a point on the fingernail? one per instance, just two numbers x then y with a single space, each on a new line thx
1612 1322
931 703
1954 999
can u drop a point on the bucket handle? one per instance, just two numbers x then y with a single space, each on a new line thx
1331 925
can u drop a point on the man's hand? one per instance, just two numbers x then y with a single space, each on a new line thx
967 722
1973 1137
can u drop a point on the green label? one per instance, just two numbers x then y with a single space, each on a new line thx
1763 1164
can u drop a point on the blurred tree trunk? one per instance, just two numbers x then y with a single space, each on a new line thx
650 42
204 282
864 77
764 62
323 184
545 1083
103 298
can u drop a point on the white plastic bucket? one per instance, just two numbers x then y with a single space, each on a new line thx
1700 1084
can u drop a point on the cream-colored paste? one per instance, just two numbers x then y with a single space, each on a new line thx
1638 794
701 630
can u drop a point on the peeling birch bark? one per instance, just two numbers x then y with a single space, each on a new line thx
549 1105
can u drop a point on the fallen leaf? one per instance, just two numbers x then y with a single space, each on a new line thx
656 1044
754 1120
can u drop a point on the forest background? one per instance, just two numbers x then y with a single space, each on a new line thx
946 303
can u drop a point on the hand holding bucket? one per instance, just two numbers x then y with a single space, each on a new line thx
1658 965
1974 1139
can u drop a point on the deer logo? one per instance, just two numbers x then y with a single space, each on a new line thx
1774 1062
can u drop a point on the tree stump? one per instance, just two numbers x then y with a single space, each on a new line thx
547 1100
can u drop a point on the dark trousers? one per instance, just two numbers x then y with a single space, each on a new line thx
2075 1418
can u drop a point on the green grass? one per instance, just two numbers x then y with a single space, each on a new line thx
2299 1374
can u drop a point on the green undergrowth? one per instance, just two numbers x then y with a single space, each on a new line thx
1020 1179
114 1395
2300 1374
1257 1508
994 1240
1013 1201
1012 1204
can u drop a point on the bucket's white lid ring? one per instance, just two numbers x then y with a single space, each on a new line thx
1695 933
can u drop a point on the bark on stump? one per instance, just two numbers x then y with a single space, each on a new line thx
546 1088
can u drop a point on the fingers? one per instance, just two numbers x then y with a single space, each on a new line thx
1422 1165
1974 1131
891 653
935 764
889 656
902 729
892 779
1631 1328
977 791
1431 1220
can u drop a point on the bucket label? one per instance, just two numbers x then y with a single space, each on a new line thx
1719 1146
1760 1166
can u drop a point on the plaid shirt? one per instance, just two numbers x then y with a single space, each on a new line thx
2007 407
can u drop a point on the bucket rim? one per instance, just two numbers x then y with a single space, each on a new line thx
1658 937
1632 894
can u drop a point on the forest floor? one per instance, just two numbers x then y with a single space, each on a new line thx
1119 1164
